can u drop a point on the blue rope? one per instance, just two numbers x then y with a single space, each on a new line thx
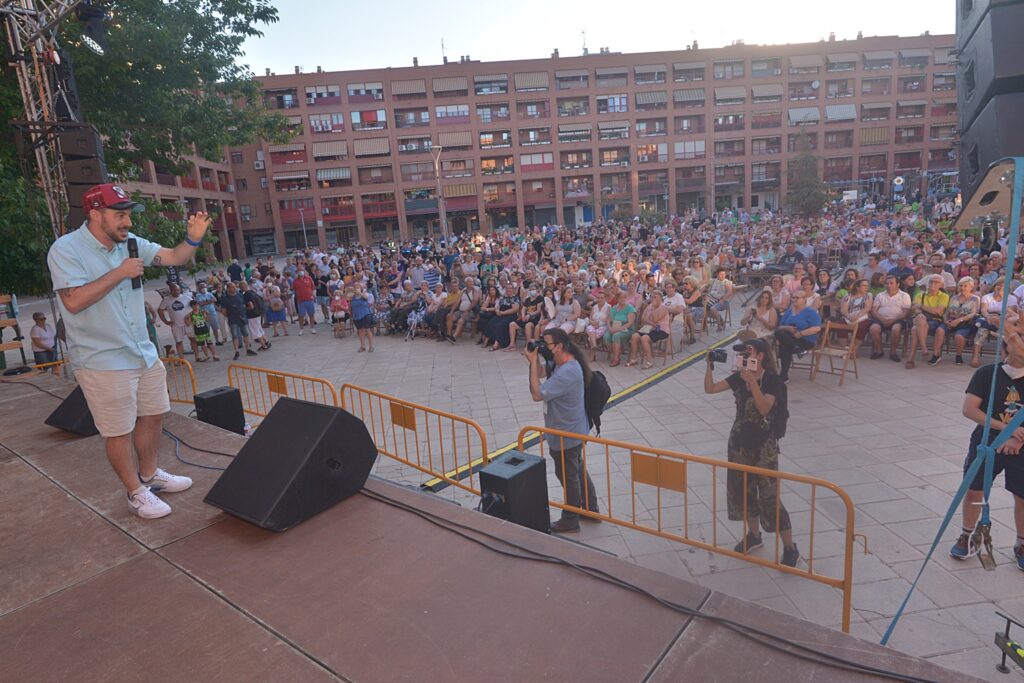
985 454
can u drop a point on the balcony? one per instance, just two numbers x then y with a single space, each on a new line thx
369 125
188 182
286 158
691 184
382 209
532 110
728 125
375 176
340 212
498 170
621 160
655 188
325 99
735 150
210 185
412 118
166 179
421 206
534 168
298 215
535 137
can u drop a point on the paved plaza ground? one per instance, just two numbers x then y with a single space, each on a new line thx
894 439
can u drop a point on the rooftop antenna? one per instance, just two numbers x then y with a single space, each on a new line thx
583 33
444 57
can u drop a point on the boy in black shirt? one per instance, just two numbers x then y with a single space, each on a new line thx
1009 379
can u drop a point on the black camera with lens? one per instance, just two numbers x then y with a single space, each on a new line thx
541 348
718 356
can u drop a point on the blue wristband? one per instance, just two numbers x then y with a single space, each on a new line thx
191 243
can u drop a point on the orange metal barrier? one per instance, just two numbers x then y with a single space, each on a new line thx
431 441
260 388
57 367
181 380
677 496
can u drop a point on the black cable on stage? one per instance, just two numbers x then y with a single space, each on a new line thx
177 454
797 650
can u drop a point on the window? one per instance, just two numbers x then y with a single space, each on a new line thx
575 133
488 113
689 149
536 162
766 67
649 75
491 85
838 88
263 183
612 104
327 123
245 212
452 113
266 208
876 86
412 118
689 124
612 78
943 82
236 158
497 165
572 81
573 106
761 146
727 70
766 119
323 94
803 90
500 138
840 139
729 122
685 73
793 143
365 92
534 136
376 119
651 127
457 168
241 184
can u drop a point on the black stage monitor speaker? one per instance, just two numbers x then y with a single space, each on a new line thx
303 458
991 62
996 133
514 487
73 415
221 407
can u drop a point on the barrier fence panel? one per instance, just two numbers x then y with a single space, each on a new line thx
181 380
261 388
431 441
679 497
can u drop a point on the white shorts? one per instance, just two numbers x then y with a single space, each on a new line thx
256 328
180 332
117 397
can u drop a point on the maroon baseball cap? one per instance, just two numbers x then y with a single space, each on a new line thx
109 196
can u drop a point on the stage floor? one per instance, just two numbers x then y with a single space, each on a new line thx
392 584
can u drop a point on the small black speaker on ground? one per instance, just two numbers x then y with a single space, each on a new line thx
514 487
73 415
221 407
303 458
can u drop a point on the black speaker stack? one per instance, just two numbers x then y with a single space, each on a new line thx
81 150
990 85
221 407
514 487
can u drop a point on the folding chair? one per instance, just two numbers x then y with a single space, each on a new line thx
835 350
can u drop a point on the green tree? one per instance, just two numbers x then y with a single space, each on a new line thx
807 193
169 86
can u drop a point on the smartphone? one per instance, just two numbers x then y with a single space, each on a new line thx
750 363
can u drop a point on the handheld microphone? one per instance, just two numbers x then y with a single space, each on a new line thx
133 252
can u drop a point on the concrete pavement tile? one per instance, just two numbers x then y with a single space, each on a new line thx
886 545
882 599
890 511
751 583
929 633
893 475
980 662
942 587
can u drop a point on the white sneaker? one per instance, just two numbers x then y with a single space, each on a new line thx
165 482
147 505
313 330
300 333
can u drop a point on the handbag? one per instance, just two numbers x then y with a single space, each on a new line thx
646 329
581 326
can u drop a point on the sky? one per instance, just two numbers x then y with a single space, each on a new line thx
340 34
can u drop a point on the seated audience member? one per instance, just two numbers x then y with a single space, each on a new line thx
856 309
528 318
889 311
797 332
780 295
961 315
694 299
567 311
719 293
929 311
655 323
597 323
988 321
761 319
621 323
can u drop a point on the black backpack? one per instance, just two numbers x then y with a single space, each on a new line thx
595 397
780 412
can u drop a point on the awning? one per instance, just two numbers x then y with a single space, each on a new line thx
731 92
612 125
572 73
876 105
613 71
771 90
460 190
943 56
451 84
575 128
911 103
332 148
874 136
840 112
916 52
657 97
879 55
274 149
415 87
686 66
372 147
494 77
297 175
533 80
688 95
804 115
941 101
806 62
649 68
294 119
333 173
841 57
455 139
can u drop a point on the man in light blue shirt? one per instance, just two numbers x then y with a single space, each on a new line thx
115 363
565 410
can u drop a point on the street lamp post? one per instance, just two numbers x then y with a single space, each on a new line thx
440 194
302 217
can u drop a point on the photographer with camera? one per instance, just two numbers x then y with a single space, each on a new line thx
754 440
565 409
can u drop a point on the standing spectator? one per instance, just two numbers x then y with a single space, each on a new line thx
276 313
797 332
235 271
565 410
323 295
233 306
305 305
200 323
208 303
44 340
254 315
174 311
889 311
362 318
760 399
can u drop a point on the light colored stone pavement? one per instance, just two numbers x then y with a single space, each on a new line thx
894 439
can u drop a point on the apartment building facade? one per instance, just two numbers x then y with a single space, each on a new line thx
572 139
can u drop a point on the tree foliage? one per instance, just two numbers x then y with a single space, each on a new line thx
807 193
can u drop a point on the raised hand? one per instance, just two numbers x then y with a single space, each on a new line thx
198 224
